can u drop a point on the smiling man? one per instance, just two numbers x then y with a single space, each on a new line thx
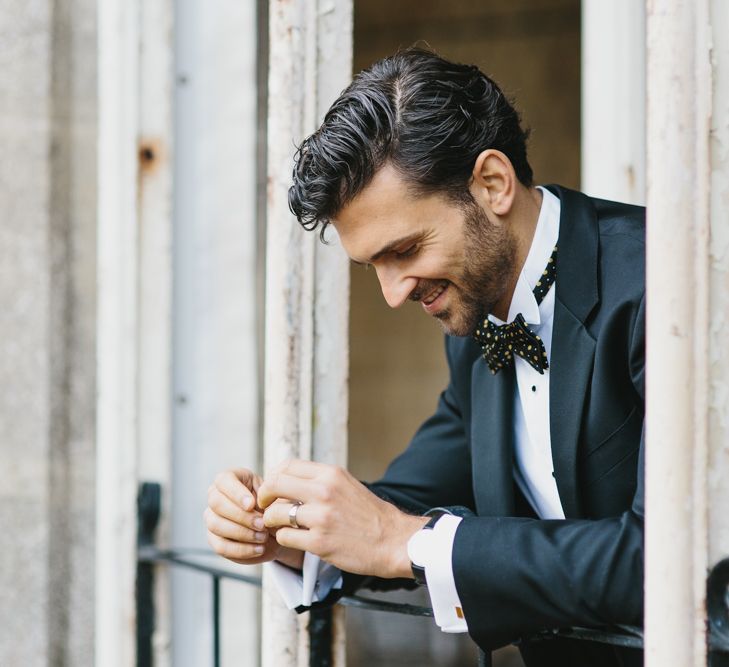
519 503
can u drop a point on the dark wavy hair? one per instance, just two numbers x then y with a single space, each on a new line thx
428 117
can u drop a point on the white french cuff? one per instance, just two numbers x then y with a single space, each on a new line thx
433 550
312 584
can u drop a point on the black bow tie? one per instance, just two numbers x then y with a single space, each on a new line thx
501 342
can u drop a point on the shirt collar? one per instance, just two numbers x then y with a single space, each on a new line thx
545 238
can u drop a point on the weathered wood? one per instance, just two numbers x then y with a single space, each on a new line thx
307 284
684 212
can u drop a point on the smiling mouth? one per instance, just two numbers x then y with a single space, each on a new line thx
432 296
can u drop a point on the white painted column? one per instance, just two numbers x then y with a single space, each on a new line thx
216 311
688 322
307 283
613 99
134 308
117 342
718 361
155 152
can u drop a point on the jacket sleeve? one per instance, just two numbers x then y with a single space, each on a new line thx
517 576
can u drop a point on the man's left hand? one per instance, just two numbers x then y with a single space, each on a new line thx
339 520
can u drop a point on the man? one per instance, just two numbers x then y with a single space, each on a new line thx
529 473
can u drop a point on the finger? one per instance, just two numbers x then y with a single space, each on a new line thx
237 485
303 540
278 515
299 468
233 531
283 485
237 551
223 506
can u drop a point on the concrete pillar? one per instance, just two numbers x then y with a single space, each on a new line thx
687 527
47 331
307 283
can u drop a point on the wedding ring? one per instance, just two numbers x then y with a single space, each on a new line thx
292 514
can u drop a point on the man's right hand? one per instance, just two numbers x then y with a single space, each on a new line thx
235 523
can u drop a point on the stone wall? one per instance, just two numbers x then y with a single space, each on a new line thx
47 324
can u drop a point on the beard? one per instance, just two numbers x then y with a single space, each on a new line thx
489 256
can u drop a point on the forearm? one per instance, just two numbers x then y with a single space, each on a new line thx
292 558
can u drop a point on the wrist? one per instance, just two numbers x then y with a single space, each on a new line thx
292 558
400 566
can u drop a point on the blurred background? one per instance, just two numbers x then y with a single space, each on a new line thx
132 277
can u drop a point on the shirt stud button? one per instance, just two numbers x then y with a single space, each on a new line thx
534 388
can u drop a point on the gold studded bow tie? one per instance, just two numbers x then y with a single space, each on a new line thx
501 342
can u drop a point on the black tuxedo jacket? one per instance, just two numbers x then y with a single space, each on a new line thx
516 574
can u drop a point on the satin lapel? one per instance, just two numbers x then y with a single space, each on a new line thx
492 439
573 349
573 352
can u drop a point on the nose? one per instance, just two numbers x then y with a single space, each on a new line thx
396 287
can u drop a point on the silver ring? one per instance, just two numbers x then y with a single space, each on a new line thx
292 514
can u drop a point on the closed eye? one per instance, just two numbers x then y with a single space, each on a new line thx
408 252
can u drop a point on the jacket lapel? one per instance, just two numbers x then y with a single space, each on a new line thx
492 439
573 349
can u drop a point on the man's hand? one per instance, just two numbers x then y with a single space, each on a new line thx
235 523
339 520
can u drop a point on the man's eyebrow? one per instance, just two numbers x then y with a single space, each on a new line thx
389 248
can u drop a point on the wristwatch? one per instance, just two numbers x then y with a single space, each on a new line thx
418 543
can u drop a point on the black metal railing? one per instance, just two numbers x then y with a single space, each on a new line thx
320 620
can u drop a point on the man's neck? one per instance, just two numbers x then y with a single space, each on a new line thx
524 214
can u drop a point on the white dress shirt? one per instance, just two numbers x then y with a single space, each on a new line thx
533 467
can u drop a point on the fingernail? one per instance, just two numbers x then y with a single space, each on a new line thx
247 503
258 549
258 523
261 537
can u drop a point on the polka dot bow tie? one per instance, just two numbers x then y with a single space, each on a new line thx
501 342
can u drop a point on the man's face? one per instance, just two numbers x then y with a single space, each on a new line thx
447 256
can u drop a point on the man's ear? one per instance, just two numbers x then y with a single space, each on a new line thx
494 181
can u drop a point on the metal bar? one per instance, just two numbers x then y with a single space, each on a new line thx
603 637
320 623
484 658
216 620
154 555
630 637
717 604
384 605
145 613
320 637
148 510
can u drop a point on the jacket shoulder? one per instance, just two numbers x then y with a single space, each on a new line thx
619 219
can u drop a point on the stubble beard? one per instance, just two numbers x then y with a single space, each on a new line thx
489 257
